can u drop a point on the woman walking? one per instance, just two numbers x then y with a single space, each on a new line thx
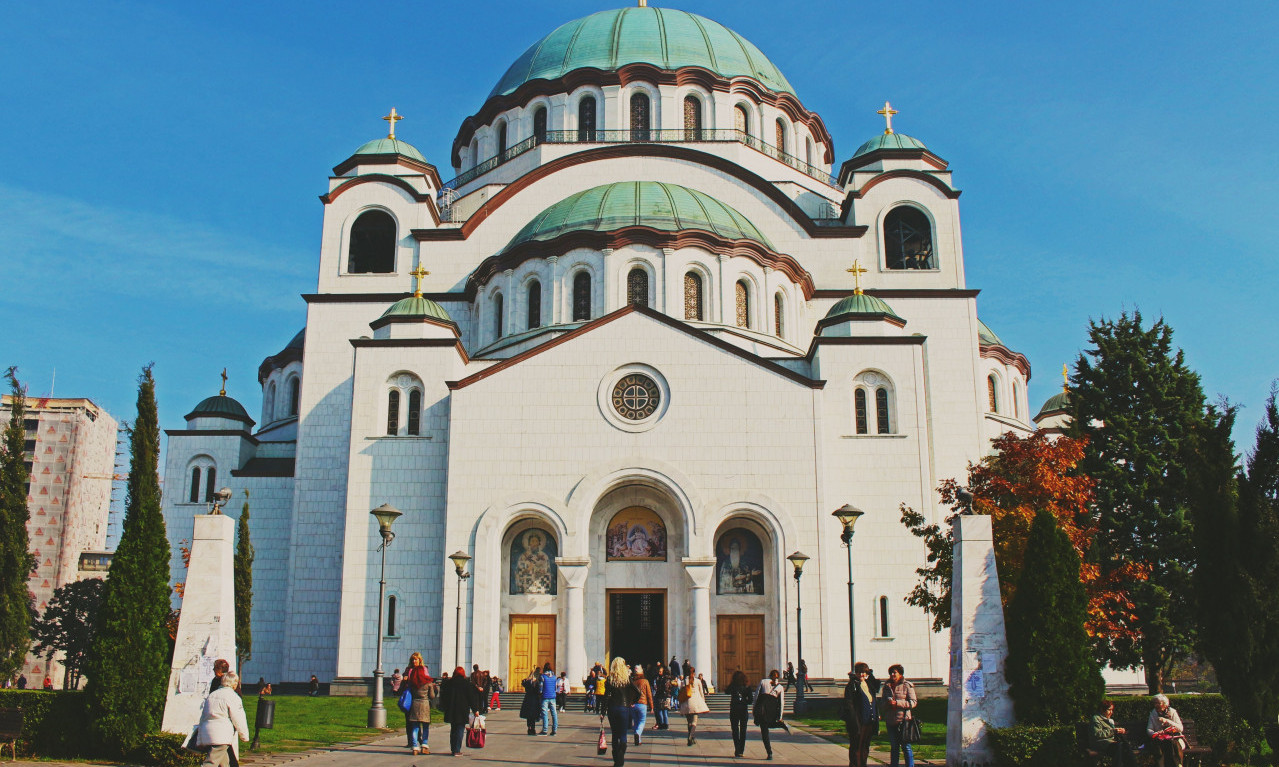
899 700
692 702
770 702
418 718
662 698
222 721
740 697
643 701
531 706
459 698
618 700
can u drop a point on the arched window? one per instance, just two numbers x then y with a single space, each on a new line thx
743 305
808 151
501 139
393 413
195 485
210 483
991 393
859 410
539 124
415 412
908 239
637 287
640 117
586 119
268 408
693 296
882 604
882 425
391 604
372 246
534 305
779 310
781 135
582 296
295 395
741 121
475 152
1016 400
499 317
692 118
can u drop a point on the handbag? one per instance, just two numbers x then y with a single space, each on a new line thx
406 699
909 732
474 737
601 746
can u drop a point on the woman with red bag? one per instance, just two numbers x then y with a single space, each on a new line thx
459 698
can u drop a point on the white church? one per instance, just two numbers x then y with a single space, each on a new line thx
629 360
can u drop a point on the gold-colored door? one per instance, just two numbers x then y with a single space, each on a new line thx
741 646
532 643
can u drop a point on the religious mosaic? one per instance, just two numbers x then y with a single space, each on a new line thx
533 562
740 566
636 534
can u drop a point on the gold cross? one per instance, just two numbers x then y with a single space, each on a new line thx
417 275
1065 378
393 118
857 271
887 112
223 392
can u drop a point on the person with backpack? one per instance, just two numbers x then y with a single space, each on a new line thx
692 696
550 713
741 696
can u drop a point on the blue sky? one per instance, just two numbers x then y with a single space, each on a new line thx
162 162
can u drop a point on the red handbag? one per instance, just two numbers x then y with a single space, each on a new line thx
474 737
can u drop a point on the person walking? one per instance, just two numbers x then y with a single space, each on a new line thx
531 705
619 700
589 684
223 724
788 677
770 702
220 667
861 720
662 698
692 702
561 690
643 702
741 696
899 700
601 677
803 676
458 700
418 718
549 712
396 680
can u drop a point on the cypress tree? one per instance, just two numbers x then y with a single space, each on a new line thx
1051 672
128 668
243 589
16 562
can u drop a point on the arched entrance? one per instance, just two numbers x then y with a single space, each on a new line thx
531 608
745 600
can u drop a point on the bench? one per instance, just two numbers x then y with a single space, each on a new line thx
10 730
1195 752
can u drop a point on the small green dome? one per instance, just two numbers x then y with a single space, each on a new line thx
221 406
664 37
391 146
889 141
417 306
861 303
1056 402
986 336
666 207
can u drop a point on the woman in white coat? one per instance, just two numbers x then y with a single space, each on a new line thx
221 721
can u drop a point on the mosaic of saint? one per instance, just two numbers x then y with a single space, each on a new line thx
636 534
740 569
533 562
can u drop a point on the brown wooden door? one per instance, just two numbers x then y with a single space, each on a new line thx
741 646
532 643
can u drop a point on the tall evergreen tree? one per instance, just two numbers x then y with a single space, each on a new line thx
1051 672
128 668
243 589
1139 407
16 562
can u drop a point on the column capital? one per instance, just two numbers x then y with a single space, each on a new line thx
573 570
700 571
723 257
553 260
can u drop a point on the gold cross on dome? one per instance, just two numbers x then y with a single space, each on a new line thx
1065 378
857 271
887 112
223 392
417 275
393 118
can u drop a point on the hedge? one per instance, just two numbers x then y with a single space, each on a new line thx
1026 745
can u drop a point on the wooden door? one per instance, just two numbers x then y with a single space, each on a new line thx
532 643
741 646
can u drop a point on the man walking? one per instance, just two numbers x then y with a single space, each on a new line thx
861 720
550 711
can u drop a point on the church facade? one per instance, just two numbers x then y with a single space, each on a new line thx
630 359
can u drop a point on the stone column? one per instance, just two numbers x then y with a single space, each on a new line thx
206 630
727 298
701 572
557 292
979 696
574 572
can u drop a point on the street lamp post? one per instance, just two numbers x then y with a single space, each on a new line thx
797 559
848 516
385 515
459 559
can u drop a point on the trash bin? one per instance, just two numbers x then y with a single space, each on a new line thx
265 719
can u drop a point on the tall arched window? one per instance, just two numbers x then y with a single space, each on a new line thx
391 603
692 118
499 317
779 311
393 413
881 411
268 408
641 120
882 604
741 121
534 305
501 139
781 135
582 296
295 395
210 483
693 296
539 124
586 119
194 497
808 151
908 239
859 410
1016 400
991 393
637 287
475 152
743 305
372 246
415 412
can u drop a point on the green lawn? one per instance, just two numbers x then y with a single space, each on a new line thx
303 722
931 714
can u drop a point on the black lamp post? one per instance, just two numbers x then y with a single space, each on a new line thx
459 559
385 515
797 559
848 516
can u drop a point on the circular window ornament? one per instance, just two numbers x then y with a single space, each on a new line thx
634 397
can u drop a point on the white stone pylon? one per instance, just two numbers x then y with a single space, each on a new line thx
206 628
979 696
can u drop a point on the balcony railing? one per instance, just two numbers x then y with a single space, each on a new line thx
677 136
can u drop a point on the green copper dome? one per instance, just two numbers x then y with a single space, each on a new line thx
667 207
391 146
664 37
889 141
417 306
221 406
861 303
1056 402
986 336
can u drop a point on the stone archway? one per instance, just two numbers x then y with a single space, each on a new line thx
746 599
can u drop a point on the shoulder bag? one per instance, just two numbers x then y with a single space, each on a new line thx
910 729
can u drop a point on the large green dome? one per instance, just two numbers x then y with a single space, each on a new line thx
666 207
664 37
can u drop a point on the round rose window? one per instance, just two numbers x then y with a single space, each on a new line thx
636 397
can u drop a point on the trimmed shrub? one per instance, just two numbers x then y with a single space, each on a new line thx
1028 745
164 749
53 723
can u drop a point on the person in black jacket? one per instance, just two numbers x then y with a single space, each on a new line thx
861 718
741 696
531 705
619 701
459 698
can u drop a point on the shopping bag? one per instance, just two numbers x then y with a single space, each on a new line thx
601 747
475 738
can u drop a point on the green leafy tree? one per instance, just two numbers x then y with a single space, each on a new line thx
1139 407
243 589
1051 673
67 626
16 562
128 667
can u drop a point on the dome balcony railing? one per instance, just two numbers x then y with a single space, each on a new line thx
650 136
